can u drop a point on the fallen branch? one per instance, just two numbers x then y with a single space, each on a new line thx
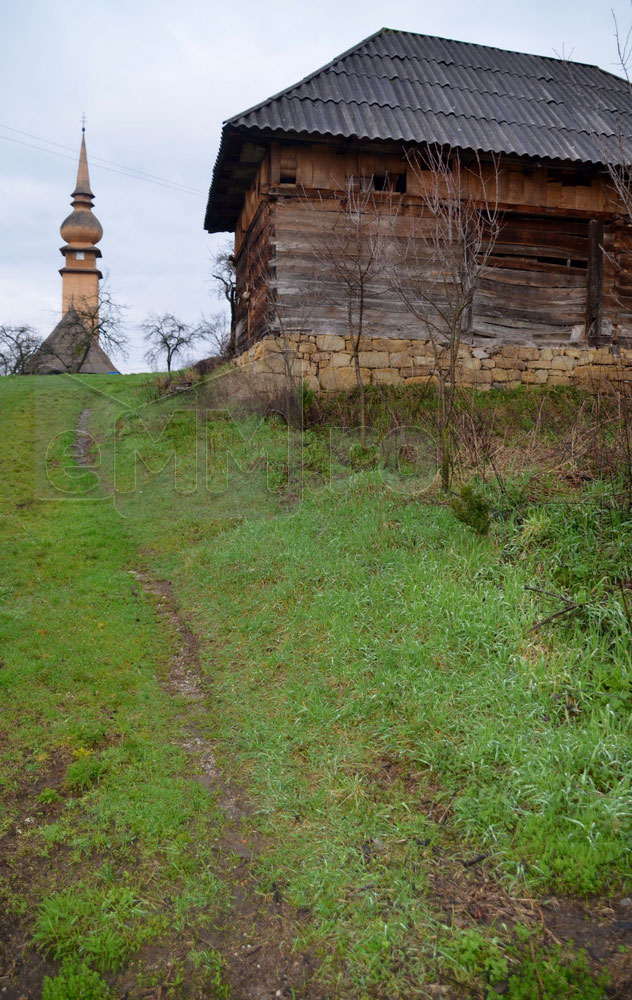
550 593
571 607
625 604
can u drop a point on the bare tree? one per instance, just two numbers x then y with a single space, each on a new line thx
619 159
353 259
438 267
621 173
102 323
216 330
168 337
17 346
223 271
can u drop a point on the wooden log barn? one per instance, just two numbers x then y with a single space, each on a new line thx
555 299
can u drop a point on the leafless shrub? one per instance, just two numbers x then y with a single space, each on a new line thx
18 344
608 449
353 260
439 266
169 337
215 330
478 443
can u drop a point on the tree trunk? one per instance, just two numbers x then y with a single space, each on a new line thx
356 356
361 394
444 437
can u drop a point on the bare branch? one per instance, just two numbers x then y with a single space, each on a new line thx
84 327
223 272
103 323
624 46
17 345
437 268
353 259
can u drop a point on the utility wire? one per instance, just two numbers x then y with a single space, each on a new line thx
174 186
70 149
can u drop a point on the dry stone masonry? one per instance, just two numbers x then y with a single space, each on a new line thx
325 363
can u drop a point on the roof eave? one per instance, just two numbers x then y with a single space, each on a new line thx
220 217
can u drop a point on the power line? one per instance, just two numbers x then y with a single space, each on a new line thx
49 142
168 184
174 186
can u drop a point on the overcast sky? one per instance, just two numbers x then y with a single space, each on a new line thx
156 78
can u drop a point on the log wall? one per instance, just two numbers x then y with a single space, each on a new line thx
560 273
535 288
253 276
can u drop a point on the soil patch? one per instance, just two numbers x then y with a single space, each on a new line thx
22 967
469 894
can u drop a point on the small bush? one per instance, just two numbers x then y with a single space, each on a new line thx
472 509
472 955
363 457
553 976
48 796
83 773
87 734
546 973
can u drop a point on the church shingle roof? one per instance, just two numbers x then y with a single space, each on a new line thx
71 347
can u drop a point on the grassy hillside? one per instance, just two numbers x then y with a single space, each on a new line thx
433 777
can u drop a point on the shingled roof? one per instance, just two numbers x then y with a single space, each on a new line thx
65 348
396 86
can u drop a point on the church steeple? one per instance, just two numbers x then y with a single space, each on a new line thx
81 232
82 187
73 345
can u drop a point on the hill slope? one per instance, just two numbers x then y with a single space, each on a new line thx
248 678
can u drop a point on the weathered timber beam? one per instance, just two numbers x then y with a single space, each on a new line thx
594 292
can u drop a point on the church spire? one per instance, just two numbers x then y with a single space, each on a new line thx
81 231
82 187
74 343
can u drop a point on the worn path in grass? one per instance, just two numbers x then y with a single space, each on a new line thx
257 936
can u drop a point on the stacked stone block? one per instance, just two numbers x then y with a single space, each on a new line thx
325 362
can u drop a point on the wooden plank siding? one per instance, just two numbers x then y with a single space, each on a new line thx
252 267
617 283
562 263
536 281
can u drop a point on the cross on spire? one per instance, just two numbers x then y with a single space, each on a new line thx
83 122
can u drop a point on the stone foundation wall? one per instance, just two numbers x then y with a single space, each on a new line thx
325 362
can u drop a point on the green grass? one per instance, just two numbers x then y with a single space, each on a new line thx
89 736
374 678
94 926
76 981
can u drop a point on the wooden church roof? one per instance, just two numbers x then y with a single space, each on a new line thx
64 348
